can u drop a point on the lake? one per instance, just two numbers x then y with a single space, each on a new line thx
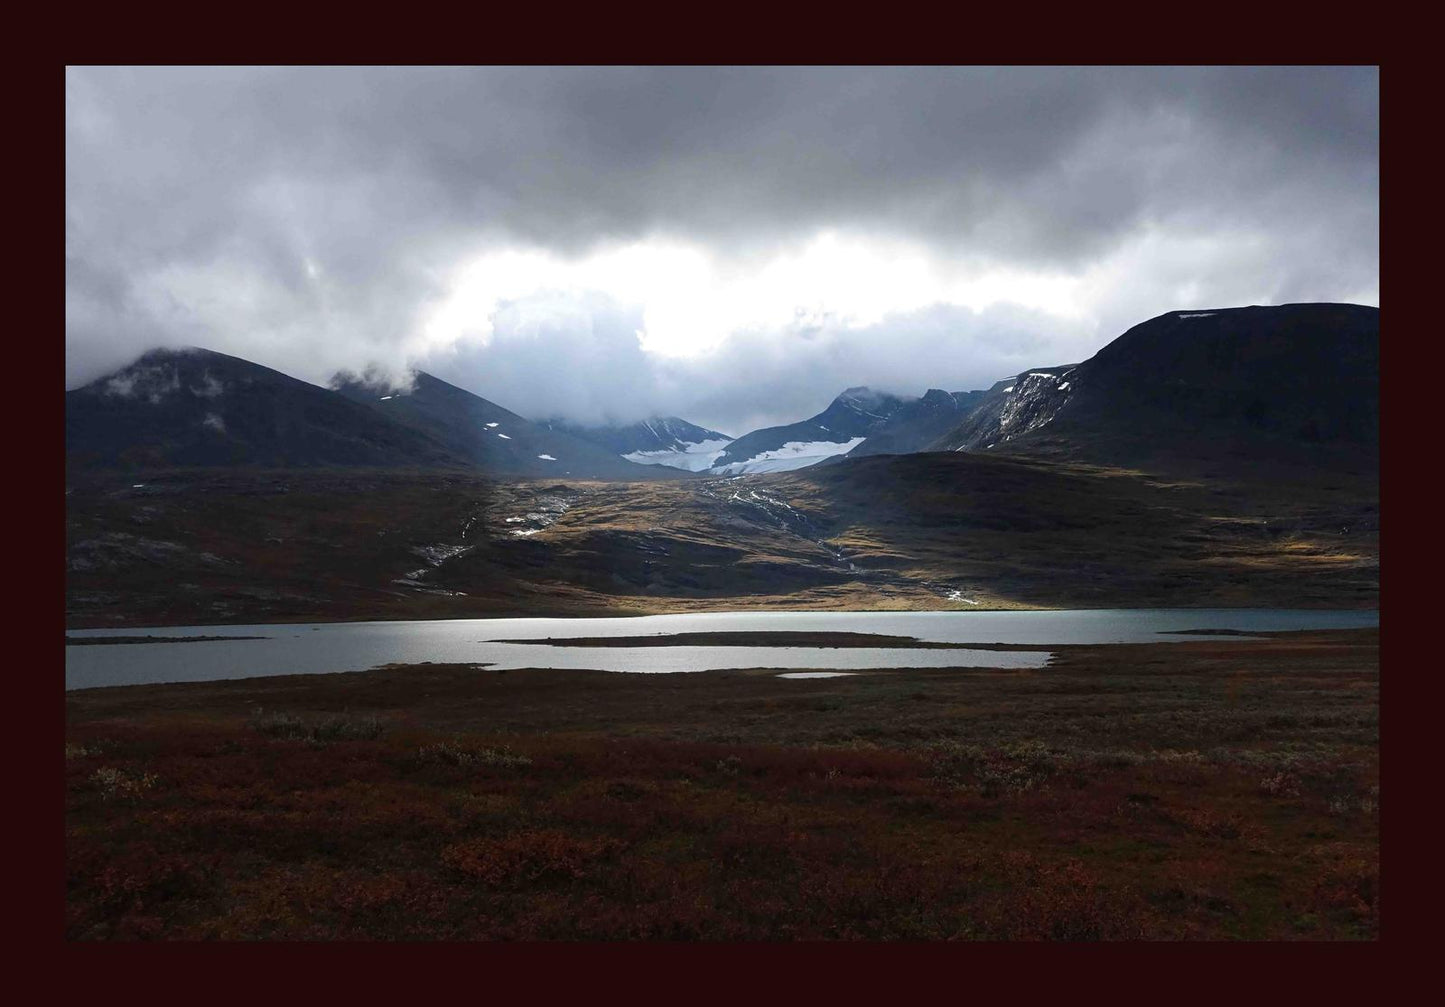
293 649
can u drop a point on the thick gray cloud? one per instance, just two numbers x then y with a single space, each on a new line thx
581 359
310 219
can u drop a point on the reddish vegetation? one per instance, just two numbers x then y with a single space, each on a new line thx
192 821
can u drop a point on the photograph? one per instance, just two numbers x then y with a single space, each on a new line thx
722 504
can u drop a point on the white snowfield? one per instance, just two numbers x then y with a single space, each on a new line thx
792 455
504 437
547 458
695 456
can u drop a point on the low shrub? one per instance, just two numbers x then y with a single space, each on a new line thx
114 783
317 730
1011 769
450 753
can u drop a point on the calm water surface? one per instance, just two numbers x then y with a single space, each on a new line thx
332 647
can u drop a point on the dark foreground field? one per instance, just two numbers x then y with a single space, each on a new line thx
1221 789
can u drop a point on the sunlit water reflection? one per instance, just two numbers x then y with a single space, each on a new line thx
335 647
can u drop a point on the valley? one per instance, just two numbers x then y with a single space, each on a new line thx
924 531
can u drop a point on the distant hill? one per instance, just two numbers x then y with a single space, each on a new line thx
494 439
1294 383
661 440
847 422
195 407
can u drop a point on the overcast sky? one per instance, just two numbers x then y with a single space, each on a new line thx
734 246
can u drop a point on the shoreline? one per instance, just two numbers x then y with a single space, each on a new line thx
761 610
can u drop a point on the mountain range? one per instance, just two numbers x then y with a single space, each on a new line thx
1286 381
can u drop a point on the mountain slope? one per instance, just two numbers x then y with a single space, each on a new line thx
1290 383
918 423
492 438
195 407
843 426
1012 407
662 440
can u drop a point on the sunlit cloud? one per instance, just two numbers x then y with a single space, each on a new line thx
691 303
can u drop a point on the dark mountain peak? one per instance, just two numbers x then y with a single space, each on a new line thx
849 418
192 406
864 400
186 374
865 397
489 436
676 430
168 354
917 423
186 355
158 373
1250 382
1231 341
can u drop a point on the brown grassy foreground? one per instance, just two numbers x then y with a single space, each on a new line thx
1221 789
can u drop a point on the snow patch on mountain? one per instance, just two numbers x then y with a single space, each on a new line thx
1037 398
792 455
694 456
